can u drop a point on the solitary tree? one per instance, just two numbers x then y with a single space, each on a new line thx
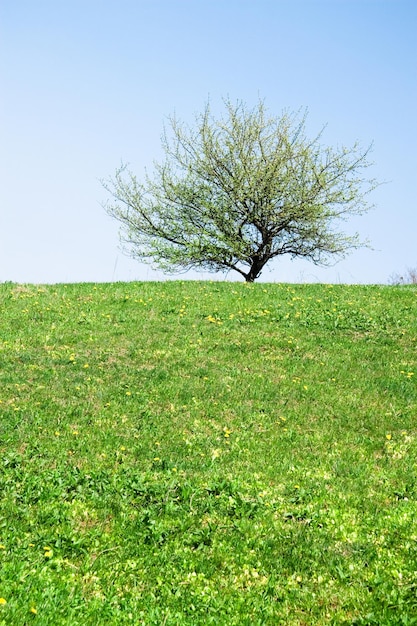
234 193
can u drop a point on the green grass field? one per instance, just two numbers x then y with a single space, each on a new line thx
208 453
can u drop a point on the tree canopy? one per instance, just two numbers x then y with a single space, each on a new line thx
234 193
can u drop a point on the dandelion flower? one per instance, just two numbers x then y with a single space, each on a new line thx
33 610
3 601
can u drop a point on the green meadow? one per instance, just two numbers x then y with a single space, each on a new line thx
189 453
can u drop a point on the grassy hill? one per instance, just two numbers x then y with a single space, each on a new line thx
208 453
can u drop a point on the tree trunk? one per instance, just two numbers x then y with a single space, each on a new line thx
254 271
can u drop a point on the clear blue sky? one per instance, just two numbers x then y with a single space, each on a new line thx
85 84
